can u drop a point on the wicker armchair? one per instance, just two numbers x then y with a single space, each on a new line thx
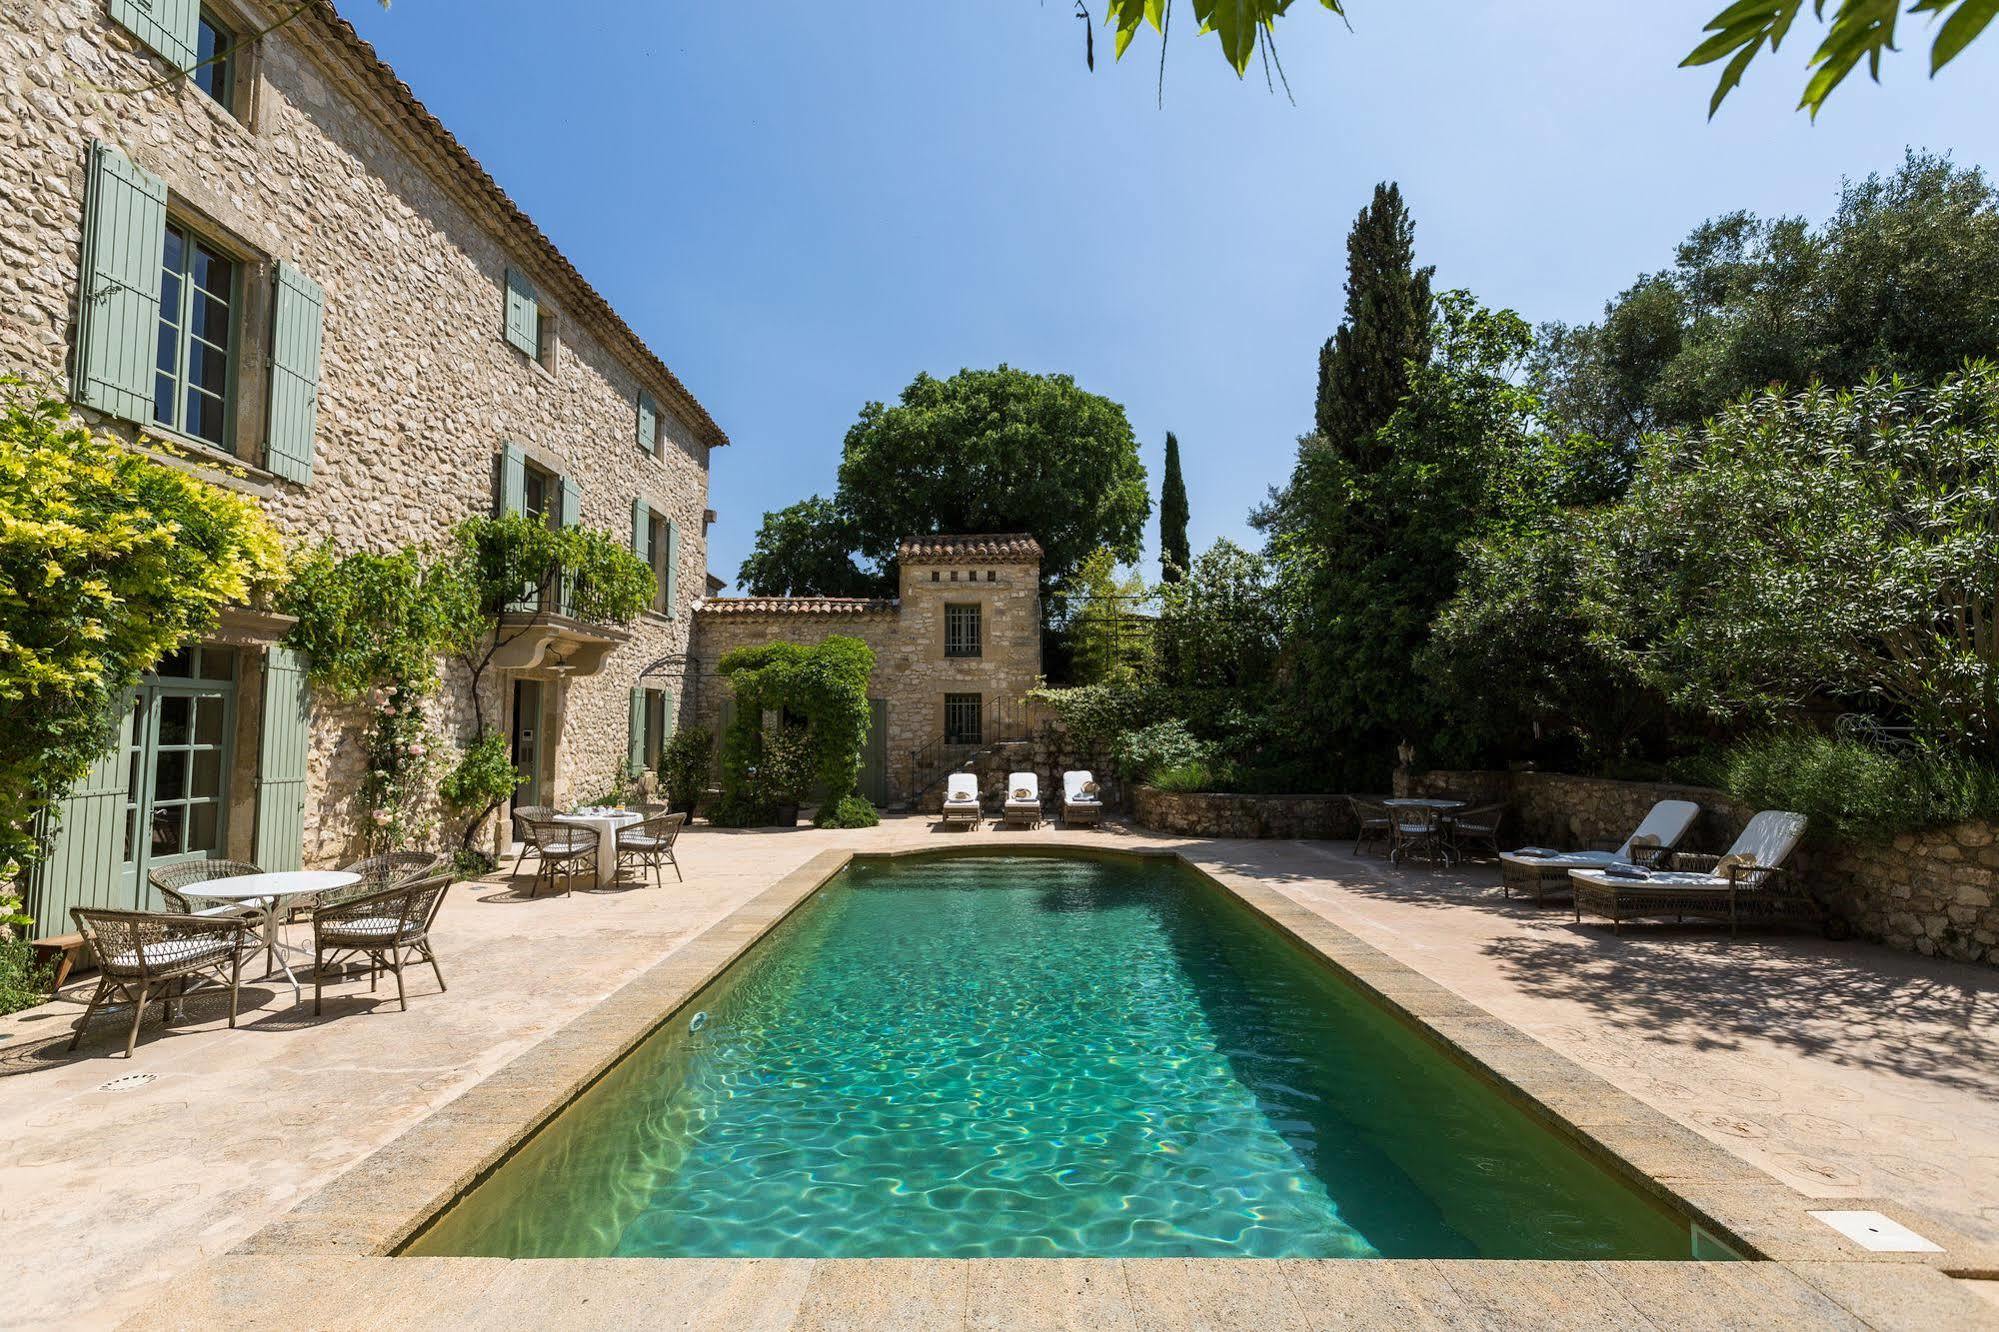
1373 822
524 817
143 954
1477 827
1418 832
649 845
390 870
562 848
390 928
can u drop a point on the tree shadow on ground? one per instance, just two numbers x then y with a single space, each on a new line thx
1854 1005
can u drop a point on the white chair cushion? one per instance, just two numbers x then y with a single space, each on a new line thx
171 953
961 787
640 841
368 925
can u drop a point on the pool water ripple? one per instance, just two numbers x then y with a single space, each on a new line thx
1043 1057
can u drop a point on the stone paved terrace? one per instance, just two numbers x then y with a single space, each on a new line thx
1842 1070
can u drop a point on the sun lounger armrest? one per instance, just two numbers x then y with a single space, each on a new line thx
1751 877
1651 857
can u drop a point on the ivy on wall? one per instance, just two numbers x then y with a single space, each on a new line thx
824 687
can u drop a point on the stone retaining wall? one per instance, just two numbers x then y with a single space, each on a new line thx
1225 814
1935 892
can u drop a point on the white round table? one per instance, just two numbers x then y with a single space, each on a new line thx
279 888
1424 802
1437 805
605 823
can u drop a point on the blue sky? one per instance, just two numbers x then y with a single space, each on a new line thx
801 204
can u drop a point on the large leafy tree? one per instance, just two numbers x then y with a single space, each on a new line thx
1902 279
1174 554
807 549
998 450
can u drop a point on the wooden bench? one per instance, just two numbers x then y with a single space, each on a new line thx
63 951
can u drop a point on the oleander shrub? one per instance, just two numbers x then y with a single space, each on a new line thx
1849 789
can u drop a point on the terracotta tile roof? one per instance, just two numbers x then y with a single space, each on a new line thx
795 606
992 547
416 118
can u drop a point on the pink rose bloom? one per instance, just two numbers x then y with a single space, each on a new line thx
381 816
416 751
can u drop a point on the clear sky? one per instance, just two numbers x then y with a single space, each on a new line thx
800 204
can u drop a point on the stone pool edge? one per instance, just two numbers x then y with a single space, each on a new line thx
382 1202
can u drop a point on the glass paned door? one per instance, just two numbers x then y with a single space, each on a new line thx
178 760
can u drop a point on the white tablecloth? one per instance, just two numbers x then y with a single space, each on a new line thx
605 823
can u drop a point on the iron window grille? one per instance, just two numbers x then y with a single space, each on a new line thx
964 722
962 637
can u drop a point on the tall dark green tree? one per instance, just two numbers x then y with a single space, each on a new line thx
1175 557
1364 366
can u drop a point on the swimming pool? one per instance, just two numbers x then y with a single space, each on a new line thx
1033 1056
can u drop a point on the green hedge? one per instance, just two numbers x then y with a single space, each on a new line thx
1850 790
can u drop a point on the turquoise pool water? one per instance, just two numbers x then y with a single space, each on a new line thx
1031 1056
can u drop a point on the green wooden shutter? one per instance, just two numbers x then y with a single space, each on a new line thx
296 324
642 532
523 313
282 761
513 494
86 849
636 736
118 305
648 422
672 570
572 503
171 27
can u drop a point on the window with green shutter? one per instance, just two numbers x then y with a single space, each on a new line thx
118 305
523 313
194 371
648 435
670 562
170 27
296 329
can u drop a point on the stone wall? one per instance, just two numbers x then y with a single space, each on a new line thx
319 165
1931 892
1224 814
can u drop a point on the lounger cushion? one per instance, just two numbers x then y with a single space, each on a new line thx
1770 837
1668 821
1561 859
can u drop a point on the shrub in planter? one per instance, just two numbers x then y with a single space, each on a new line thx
854 811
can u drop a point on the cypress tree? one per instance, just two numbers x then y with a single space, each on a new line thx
1363 367
1174 556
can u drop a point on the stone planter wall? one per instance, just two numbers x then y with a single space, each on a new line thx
1223 814
1935 892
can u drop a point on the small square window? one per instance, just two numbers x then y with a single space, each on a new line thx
961 631
992 575
935 576
963 720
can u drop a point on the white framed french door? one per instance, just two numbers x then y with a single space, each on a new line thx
179 748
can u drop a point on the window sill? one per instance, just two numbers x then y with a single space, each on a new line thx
207 462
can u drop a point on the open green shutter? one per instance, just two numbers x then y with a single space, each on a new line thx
118 305
513 495
296 323
281 761
523 313
672 570
171 27
648 422
572 503
636 735
86 848
642 532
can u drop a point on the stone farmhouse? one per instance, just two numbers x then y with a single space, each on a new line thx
955 653
285 267
279 264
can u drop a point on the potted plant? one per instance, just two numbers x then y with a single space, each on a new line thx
683 768
785 772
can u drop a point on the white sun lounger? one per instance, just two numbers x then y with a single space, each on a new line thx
1022 808
1746 882
1081 803
1537 871
961 799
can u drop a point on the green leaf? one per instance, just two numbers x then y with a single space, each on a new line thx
1959 29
